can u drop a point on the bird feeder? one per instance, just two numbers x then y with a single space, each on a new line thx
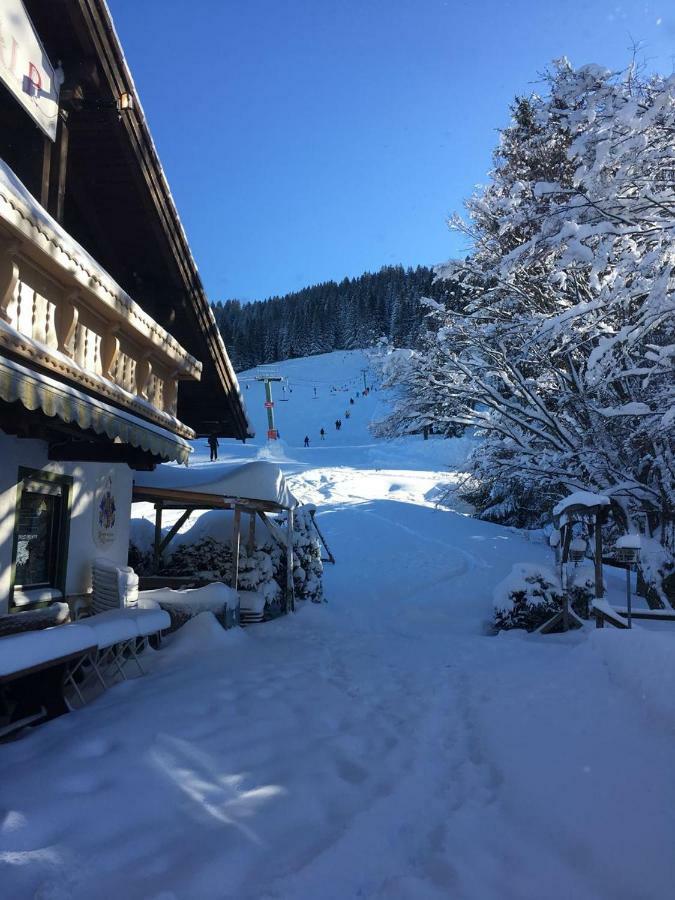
578 550
587 509
627 551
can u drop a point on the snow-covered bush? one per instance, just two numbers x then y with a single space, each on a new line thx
205 560
259 570
581 587
656 578
526 598
308 570
307 565
139 560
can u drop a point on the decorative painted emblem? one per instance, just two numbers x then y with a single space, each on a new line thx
105 511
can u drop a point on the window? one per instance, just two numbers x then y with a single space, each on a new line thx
40 536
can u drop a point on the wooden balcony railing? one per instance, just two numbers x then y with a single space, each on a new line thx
62 312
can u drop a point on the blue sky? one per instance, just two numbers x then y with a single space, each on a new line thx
310 139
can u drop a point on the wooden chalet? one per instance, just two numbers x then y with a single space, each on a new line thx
110 358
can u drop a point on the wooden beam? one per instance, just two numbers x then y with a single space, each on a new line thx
566 541
59 189
275 532
290 595
173 531
183 499
331 558
599 587
236 537
102 451
251 533
46 171
156 556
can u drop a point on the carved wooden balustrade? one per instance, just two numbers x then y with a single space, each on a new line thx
63 313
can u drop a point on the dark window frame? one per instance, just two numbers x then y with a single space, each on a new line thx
65 482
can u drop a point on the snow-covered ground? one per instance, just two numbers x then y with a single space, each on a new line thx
379 746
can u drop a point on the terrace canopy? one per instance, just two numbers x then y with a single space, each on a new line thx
257 489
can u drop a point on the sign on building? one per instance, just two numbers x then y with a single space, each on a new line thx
25 67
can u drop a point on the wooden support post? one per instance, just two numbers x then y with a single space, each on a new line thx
599 587
173 531
157 553
46 171
235 547
59 190
290 595
251 532
566 541
275 533
331 558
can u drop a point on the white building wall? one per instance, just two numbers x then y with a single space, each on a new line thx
83 546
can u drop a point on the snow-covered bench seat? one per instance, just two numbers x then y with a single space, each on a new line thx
182 605
32 650
44 662
605 612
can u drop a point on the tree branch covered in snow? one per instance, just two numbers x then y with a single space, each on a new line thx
561 351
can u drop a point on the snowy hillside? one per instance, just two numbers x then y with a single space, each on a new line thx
381 745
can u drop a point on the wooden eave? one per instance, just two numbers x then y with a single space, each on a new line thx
172 498
118 76
115 159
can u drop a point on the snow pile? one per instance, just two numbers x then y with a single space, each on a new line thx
640 662
210 598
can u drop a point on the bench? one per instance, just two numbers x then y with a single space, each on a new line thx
37 667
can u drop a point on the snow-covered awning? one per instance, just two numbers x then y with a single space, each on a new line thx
259 481
581 504
582 499
34 390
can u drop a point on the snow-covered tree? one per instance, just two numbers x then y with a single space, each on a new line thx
561 352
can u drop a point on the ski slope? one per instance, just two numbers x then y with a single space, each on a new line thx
382 745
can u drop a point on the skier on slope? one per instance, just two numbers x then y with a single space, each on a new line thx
306 441
323 434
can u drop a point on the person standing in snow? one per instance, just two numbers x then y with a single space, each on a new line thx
306 441
323 434
337 424
213 446
347 414
351 401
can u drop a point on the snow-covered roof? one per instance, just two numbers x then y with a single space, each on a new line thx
580 498
256 480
